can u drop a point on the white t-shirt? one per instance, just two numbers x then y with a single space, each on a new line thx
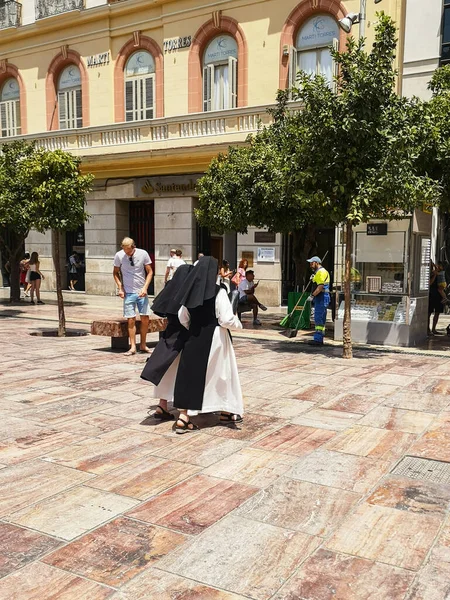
173 264
243 286
133 275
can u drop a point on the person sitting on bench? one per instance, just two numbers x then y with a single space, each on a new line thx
247 296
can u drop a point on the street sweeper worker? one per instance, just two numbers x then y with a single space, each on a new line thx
320 298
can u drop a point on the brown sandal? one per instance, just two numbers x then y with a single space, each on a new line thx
230 418
164 415
187 426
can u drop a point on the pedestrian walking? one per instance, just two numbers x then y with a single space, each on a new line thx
207 379
24 266
320 298
162 366
74 264
225 275
35 278
437 296
173 263
133 274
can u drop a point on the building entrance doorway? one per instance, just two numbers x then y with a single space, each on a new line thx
142 230
216 245
75 259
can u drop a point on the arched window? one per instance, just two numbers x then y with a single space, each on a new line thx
10 108
220 73
69 98
140 87
312 48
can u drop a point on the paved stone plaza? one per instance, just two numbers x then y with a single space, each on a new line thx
308 500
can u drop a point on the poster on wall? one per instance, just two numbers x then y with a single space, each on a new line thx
266 254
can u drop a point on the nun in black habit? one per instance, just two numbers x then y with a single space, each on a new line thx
207 378
161 367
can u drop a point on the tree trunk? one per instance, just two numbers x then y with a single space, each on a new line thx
14 275
59 295
303 241
347 324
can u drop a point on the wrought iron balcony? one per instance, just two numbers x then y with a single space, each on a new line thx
10 14
49 8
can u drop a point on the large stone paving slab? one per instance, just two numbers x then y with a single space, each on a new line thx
387 535
39 581
194 505
300 506
116 552
72 513
166 586
331 576
256 568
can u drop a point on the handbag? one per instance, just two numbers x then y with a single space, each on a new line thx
236 279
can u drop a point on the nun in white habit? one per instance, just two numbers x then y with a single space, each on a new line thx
207 378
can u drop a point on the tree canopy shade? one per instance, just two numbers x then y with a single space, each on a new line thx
43 190
349 154
17 206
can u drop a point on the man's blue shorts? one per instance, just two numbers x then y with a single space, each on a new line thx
133 303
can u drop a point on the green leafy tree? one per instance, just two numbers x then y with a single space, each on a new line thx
350 154
17 207
59 193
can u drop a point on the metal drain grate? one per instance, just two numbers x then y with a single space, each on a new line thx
422 468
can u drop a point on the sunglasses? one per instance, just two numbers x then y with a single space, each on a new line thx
130 258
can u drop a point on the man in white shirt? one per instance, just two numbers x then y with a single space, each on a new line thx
133 274
172 265
247 295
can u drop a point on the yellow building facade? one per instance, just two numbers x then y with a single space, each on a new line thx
147 92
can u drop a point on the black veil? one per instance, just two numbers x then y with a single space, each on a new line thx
200 285
165 302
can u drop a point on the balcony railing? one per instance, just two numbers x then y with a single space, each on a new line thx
49 8
10 14
181 132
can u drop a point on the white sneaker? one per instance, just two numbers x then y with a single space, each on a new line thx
256 322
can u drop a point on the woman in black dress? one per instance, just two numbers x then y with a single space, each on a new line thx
161 367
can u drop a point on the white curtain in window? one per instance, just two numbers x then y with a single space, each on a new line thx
326 65
307 62
220 74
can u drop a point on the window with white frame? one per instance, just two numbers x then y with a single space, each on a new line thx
69 98
311 53
220 74
140 87
10 108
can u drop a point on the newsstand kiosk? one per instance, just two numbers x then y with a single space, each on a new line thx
389 282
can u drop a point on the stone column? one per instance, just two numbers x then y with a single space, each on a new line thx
104 231
268 273
174 228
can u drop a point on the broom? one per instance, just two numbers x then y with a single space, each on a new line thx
291 332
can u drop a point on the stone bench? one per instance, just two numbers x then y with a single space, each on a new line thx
117 330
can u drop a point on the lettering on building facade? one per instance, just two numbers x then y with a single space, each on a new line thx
177 43
98 60
178 185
